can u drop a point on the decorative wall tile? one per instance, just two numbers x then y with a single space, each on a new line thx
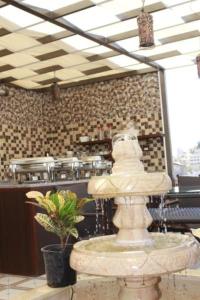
32 124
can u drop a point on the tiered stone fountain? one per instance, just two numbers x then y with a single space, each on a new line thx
135 256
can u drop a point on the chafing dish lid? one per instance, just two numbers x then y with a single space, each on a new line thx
32 160
67 159
92 158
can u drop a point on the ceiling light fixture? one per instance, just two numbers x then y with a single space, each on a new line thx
4 91
55 90
145 28
198 64
198 61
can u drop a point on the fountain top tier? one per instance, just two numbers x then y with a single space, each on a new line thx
128 177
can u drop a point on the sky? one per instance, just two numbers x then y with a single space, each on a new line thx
183 96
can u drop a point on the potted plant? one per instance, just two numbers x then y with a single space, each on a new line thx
62 212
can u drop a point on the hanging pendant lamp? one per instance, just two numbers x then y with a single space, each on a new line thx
145 28
198 64
55 89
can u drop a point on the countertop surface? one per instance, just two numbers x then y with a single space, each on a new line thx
10 185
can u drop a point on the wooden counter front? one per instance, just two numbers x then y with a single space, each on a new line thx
21 237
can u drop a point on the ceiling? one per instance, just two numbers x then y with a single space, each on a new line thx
70 41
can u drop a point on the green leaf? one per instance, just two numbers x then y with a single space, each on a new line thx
68 209
34 203
63 211
34 195
46 222
51 206
83 201
74 232
54 198
61 200
79 219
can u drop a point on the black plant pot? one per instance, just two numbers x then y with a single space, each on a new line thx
57 267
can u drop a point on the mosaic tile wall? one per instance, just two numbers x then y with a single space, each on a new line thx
84 109
21 127
32 124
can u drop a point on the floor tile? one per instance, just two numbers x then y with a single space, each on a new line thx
9 279
9 293
32 283
43 276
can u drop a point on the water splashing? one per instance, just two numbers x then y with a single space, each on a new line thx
97 214
163 219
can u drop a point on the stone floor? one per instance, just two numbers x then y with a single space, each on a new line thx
179 286
12 286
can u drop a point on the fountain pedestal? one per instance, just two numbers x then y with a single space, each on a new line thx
132 218
139 289
135 256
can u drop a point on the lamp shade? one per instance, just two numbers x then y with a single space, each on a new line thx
55 91
4 91
198 64
145 29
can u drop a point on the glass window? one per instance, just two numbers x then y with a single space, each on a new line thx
183 90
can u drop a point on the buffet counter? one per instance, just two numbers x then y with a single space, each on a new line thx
21 237
36 185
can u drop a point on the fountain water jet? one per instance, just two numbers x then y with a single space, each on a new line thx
135 256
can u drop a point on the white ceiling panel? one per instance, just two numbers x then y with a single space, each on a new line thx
18 59
66 74
27 84
175 62
122 60
18 73
78 42
16 42
51 5
90 18
83 39
18 16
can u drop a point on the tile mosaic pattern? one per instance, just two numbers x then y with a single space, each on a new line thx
19 141
108 101
86 109
32 124
12 286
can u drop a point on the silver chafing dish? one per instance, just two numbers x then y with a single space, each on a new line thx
67 168
95 166
55 169
32 169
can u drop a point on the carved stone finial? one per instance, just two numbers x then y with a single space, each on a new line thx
130 129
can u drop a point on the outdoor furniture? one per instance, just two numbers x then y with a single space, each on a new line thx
188 181
186 196
176 215
175 218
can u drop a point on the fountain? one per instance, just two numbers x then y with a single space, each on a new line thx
136 257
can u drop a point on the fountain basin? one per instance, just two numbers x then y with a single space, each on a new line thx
136 184
170 252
